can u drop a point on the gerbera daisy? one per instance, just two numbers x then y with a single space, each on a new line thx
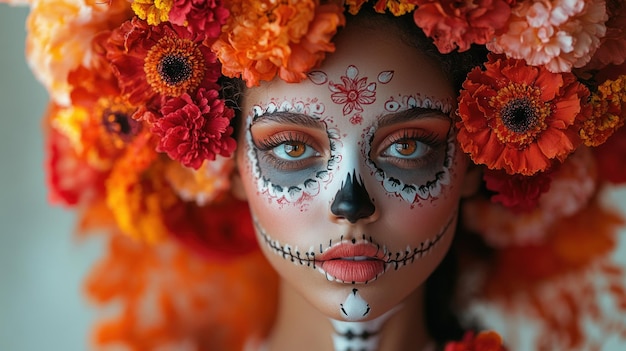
165 60
520 118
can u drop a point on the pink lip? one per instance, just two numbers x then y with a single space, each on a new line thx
358 263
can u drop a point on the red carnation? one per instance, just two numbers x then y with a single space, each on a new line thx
199 16
517 192
459 24
194 130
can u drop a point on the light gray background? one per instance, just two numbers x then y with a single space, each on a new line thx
42 265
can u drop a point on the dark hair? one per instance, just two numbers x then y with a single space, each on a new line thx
441 317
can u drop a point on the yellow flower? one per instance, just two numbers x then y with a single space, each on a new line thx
609 112
152 11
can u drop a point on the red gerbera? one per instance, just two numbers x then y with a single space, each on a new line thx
166 60
453 23
520 118
194 130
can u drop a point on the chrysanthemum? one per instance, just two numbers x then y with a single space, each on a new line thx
193 130
262 39
612 50
59 38
520 118
559 34
459 24
201 16
164 60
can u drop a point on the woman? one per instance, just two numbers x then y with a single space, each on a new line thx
353 149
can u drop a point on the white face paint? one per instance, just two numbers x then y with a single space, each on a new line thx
354 174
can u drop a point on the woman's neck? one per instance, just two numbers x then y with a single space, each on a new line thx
300 326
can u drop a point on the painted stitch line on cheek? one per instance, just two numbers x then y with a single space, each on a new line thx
353 261
409 191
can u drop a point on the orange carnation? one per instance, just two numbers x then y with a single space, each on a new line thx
262 39
520 118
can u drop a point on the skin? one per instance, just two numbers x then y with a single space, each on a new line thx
378 145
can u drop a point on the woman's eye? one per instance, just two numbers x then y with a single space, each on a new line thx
406 149
294 150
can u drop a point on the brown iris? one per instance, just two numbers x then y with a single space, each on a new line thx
174 66
406 148
520 114
295 149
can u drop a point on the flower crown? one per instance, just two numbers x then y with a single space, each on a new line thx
140 136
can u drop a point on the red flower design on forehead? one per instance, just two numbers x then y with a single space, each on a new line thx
353 92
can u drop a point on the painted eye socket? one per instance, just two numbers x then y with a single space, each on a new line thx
294 150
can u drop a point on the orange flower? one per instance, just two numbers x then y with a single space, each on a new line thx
167 297
59 38
262 39
520 118
609 112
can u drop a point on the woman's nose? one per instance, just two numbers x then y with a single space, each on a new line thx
352 201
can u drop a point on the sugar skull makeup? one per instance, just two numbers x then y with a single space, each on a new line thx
353 176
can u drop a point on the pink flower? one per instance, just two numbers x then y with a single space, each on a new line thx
559 34
354 91
459 24
200 16
194 130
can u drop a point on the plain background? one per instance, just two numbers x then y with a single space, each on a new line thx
42 265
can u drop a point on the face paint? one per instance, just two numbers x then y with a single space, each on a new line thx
364 336
333 168
354 261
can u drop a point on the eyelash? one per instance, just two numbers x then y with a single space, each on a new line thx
430 139
267 144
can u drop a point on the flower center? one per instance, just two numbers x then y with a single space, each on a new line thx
117 121
174 66
520 114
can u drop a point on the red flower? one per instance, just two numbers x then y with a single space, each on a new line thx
165 60
201 16
484 341
520 118
354 91
517 192
610 158
453 23
194 130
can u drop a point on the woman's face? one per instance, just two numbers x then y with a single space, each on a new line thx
353 176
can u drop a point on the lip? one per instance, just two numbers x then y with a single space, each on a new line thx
352 263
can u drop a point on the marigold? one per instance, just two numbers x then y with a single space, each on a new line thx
193 130
204 185
455 24
520 118
262 39
609 112
559 34
201 16
152 11
137 193
165 60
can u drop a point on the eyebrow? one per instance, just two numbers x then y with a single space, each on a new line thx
411 115
289 118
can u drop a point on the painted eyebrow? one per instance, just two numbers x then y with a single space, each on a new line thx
411 115
298 119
